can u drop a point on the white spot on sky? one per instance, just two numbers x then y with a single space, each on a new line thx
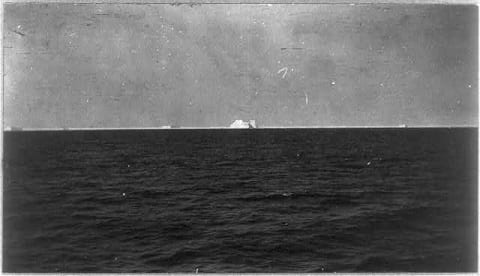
333 82
469 86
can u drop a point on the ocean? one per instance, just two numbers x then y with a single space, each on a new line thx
254 200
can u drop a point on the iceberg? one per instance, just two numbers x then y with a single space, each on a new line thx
243 124
12 128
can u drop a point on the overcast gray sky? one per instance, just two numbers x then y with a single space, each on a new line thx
121 65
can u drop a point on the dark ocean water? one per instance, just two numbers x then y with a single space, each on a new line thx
341 200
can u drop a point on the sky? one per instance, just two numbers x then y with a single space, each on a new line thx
125 65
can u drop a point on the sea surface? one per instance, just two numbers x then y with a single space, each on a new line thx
271 200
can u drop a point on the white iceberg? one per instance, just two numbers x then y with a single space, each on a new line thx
243 124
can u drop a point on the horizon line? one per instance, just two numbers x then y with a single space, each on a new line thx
8 129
